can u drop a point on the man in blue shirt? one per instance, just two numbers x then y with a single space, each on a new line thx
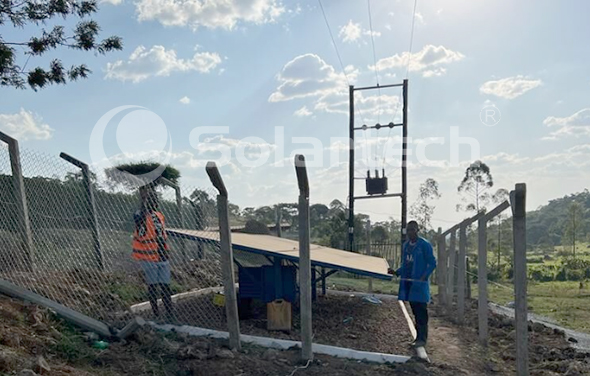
417 264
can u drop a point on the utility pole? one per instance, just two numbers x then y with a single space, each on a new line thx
404 161
351 171
383 180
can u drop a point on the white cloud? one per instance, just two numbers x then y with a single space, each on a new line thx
158 61
434 72
351 32
303 112
209 14
308 76
510 87
113 2
426 61
420 17
577 124
185 100
25 125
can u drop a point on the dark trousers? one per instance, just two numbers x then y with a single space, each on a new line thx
420 311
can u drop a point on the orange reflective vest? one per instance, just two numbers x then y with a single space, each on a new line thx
145 239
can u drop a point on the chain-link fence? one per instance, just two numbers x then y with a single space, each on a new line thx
81 257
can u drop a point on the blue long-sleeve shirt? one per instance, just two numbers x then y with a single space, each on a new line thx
417 263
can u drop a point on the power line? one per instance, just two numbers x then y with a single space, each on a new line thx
375 66
411 38
408 65
342 67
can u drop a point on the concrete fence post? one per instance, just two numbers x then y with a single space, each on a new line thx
461 263
482 271
368 252
518 201
482 281
304 259
451 271
91 207
180 223
23 220
227 258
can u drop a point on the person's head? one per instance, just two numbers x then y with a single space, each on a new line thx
412 230
149 198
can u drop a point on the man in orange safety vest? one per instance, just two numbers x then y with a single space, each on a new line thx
151 250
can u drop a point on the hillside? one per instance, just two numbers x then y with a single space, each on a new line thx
547 225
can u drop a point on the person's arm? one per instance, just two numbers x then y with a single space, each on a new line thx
400 270
430 262
138 219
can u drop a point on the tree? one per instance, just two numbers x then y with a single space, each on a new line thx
477 180
204 207
574 225
84 37
124 174
421 210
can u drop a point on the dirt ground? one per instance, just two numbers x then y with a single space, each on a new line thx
549 351
33 339
343 321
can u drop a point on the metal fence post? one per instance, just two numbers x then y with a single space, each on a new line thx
518 201
304 258
90 201
227 259
21 200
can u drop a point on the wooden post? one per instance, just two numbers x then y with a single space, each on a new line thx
482 280
461 273
323 282
451 271
442 268
304 259
20 196
91 207
227 258
518 200
368 252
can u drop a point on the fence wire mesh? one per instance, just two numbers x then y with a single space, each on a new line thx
96 275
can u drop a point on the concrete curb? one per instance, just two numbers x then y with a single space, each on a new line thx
280 344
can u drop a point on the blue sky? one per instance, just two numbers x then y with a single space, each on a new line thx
255 65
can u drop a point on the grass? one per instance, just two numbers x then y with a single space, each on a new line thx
564 302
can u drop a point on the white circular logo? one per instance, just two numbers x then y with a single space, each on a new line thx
140 133
490 115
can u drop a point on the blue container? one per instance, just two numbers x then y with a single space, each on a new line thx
269 283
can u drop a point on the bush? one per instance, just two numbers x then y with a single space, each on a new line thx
254 227
575 275
561 275
541 275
